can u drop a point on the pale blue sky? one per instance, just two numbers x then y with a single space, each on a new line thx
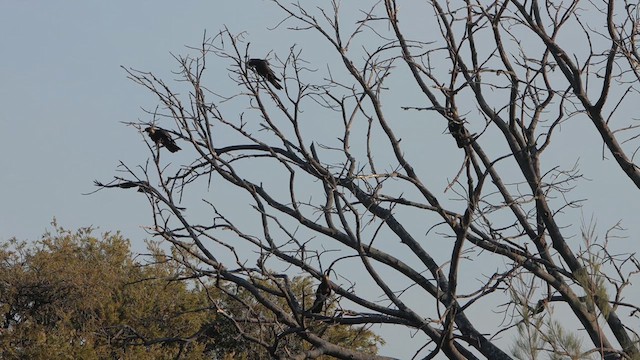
63 96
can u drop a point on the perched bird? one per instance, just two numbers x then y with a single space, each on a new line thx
162 137
262 68
142 186
459 133
322 294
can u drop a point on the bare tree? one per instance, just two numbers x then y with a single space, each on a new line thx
321 179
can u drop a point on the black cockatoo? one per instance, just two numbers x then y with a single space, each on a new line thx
459 133
262 68
162 137
322 294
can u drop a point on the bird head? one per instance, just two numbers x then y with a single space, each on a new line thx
325 279
256 62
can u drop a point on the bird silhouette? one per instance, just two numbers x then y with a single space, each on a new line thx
261 66
162 137
322 294
143 186
459 133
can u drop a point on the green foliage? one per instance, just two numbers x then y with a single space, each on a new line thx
354 337
537 337
528 344
359 338
565 345
540 336
71 295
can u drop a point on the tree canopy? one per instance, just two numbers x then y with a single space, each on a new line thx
73 295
